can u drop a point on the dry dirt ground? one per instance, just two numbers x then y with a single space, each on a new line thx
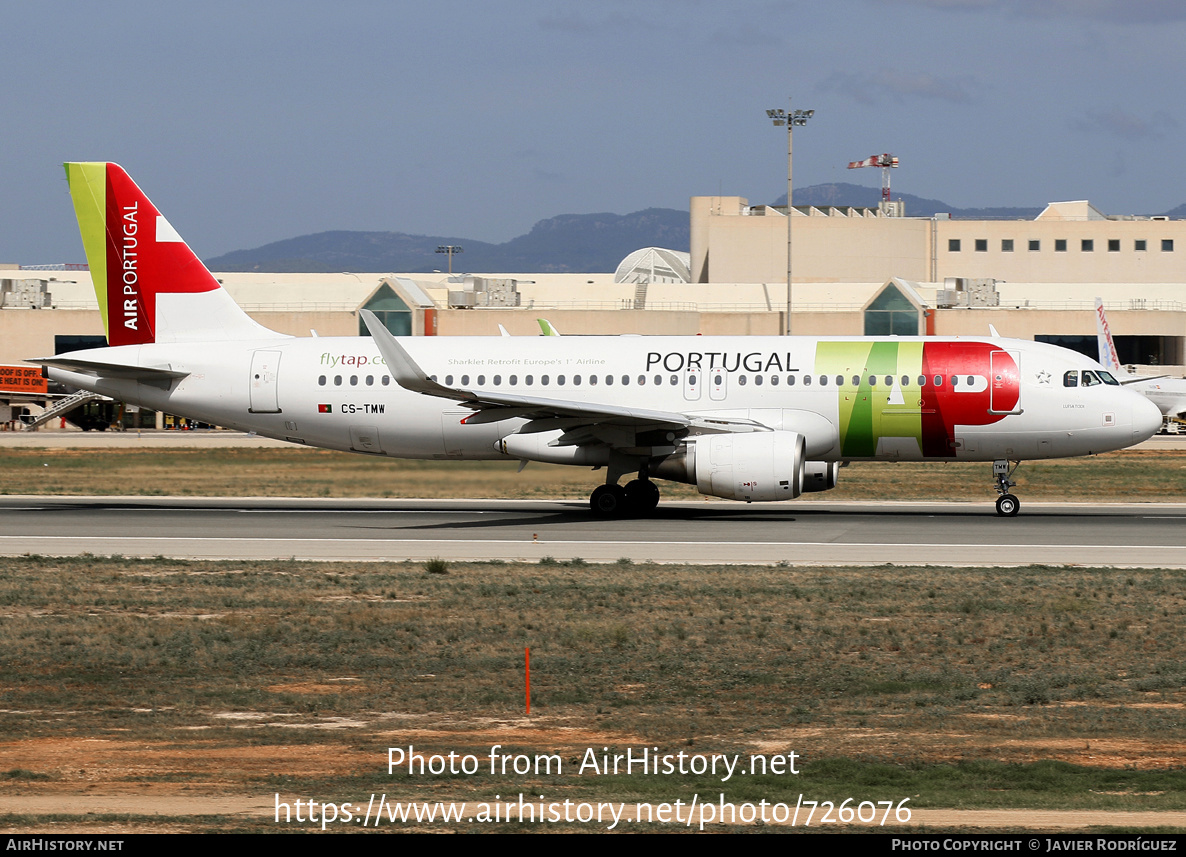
109 778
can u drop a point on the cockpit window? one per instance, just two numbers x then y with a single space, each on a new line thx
1071 379
1107 378
1090 379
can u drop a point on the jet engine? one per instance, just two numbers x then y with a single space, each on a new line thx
751 466
820 475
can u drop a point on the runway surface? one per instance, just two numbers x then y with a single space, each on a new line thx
811 533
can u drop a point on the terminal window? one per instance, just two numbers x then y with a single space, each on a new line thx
1060 245
1140 245
1006 245
1035 245
1167 245
953 245
1113 245
981 245
1087 245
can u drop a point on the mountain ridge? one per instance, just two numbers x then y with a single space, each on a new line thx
566 243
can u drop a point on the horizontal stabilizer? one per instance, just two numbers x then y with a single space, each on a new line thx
143 374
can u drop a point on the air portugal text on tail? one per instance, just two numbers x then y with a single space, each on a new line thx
742 418
141 268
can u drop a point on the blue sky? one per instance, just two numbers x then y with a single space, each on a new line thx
248 122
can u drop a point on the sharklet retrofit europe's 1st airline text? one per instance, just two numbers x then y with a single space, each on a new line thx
743 418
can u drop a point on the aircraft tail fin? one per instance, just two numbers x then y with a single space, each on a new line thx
1107 348
150 285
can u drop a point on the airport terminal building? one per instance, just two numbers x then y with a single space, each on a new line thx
856 271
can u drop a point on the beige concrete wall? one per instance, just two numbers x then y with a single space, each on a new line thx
523 322
729 246
28 333
753 249
1126 265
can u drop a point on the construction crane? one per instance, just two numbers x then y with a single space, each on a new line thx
886 162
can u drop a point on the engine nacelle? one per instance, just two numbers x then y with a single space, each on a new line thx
538 447
820 475
754 466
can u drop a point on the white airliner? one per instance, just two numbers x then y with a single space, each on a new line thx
1169 394
743 418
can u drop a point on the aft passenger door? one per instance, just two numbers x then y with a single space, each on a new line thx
265 369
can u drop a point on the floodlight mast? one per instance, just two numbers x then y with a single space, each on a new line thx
789 118
450 249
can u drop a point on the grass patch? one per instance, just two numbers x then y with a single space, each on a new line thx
1140 475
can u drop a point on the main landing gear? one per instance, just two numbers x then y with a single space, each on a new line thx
1007 505
636 498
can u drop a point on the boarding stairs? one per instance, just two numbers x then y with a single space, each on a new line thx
60 408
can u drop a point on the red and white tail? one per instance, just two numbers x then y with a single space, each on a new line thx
150 285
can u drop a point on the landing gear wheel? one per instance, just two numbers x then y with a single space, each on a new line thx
1008 506
608 501
642 496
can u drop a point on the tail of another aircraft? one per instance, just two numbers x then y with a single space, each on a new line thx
1107 348
150 285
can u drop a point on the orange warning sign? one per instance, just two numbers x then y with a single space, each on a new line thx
22 379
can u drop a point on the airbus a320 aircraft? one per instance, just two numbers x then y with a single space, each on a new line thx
743 418
1169 394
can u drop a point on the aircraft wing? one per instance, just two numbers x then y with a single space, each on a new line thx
546 413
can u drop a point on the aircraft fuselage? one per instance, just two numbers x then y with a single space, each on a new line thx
851 398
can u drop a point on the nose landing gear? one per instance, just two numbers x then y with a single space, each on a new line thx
1007 505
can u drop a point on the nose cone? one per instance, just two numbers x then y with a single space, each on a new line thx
1146 419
